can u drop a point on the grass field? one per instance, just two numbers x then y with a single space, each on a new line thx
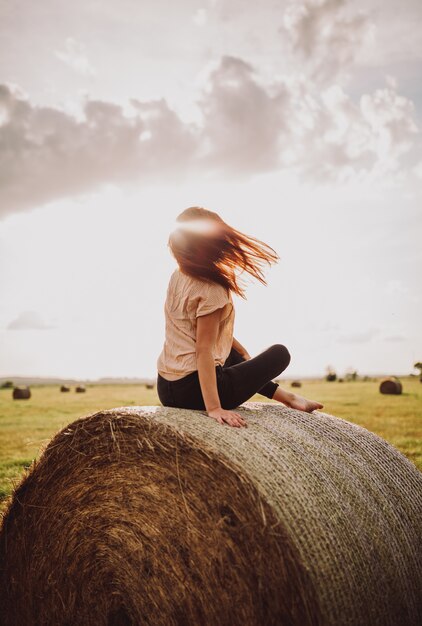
26 426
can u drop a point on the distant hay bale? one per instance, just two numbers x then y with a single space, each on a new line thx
21 393
296 383
80 389
149 386
64 388
391 385
163 517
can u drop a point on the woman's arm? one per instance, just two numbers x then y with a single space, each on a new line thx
206 336
240 349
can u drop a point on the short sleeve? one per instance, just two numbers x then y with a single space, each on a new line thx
214 297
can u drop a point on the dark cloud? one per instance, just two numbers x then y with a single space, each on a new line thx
243 121
46 153
246 127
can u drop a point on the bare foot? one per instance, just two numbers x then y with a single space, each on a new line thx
302 404
296 402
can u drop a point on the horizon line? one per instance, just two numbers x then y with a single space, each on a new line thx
149 378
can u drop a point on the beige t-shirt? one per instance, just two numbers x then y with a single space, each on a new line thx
188 298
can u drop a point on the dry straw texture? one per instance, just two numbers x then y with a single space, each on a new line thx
159 516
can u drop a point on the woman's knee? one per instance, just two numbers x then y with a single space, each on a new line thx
281 355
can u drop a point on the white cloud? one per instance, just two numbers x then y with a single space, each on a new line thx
327 35
74 57
417 170
245 127
358 337
347 139
390 117
200 17
395 287
29 320
395 338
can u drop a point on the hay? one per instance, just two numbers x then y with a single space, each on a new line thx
296 383
21 393
391 385
80 389
64 388
162 517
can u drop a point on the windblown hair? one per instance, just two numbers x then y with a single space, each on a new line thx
219 253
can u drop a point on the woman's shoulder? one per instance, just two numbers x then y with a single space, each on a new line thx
182 283
195 285
180 277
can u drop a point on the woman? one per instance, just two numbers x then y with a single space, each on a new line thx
202 366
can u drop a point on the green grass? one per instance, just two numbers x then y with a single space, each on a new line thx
26 426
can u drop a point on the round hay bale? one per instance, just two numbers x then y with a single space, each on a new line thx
391 385
80 389
64 388
21 393
296 383
163 517
149 386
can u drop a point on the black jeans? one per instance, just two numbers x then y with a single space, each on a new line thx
237 380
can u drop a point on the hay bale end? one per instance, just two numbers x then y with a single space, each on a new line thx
160 516
21 393
391 386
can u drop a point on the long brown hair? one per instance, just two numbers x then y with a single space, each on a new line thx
219 252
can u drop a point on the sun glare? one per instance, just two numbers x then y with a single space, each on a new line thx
200 226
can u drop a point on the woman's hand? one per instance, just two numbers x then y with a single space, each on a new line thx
241 349
229 417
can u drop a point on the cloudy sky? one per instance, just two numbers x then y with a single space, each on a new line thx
299 122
